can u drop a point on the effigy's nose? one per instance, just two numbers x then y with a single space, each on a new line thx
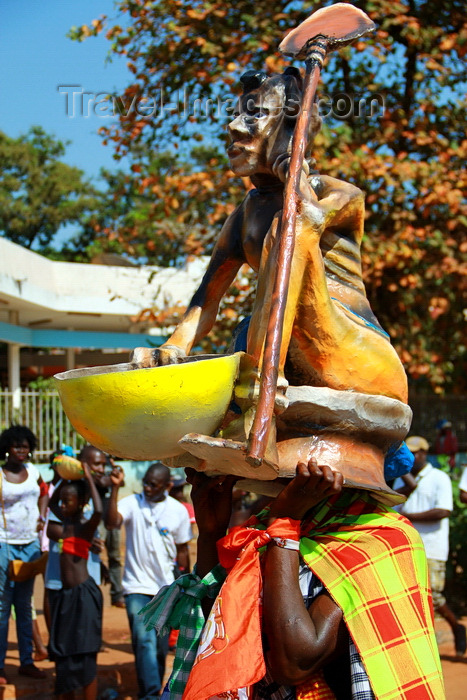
238 126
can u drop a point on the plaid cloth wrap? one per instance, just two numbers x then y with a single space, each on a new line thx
372 562
178 606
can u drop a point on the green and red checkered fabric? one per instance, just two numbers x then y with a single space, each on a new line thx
372 562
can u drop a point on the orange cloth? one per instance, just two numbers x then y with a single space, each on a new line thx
234 661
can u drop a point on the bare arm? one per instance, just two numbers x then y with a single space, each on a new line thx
463 496
183 557
409 484
54 531
113 518
300 641
427 515
212 502
104 480
89 527
42 503
53 502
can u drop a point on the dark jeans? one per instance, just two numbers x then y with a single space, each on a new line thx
149 649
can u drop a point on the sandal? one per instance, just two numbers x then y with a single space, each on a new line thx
32 671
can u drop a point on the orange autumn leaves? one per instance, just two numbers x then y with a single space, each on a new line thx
409 158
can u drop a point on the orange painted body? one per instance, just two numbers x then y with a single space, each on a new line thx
330 335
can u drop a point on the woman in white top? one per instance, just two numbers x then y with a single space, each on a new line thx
22 517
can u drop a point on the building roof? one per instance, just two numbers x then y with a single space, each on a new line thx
47 295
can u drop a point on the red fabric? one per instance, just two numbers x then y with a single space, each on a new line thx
232 661
77 546
43 489
190 510
446 444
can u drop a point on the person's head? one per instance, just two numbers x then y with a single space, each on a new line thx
17 443
419 448
156 482
73 498
95 458
177 486
445 427
265 121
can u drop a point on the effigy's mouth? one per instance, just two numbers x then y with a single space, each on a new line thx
234 150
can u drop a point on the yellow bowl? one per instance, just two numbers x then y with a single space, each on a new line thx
143 413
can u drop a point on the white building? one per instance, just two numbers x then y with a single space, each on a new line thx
59 315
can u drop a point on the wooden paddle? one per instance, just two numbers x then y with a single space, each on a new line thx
326 29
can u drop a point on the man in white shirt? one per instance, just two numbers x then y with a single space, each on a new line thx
428 507
463 487
157 534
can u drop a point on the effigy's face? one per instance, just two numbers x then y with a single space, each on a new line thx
259 132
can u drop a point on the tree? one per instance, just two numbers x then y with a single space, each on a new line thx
408 157
38 192
159 212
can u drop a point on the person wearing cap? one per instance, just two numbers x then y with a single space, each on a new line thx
177 491
446 444
463 487
428 507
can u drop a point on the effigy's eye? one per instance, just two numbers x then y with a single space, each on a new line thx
254 110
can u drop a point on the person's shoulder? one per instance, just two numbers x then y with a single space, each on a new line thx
176 507
174 504
439 479
32 470
324 185
439 475
131 502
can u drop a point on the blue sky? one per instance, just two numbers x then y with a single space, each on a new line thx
36 57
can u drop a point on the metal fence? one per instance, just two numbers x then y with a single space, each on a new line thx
42 412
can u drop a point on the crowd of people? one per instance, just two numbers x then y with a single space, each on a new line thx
74 522
77 521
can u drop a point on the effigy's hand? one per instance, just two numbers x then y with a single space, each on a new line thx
281 165
212 501
156 357
311 485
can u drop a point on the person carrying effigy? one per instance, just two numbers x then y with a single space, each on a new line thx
326 595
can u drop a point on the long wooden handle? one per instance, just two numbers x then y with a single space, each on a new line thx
285 243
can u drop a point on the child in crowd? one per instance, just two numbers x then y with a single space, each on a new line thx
76 609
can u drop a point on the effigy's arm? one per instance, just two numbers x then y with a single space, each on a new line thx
202 310
341 203
200 316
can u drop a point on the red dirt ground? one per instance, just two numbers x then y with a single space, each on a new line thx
116 669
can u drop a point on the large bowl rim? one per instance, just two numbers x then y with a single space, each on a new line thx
128 366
